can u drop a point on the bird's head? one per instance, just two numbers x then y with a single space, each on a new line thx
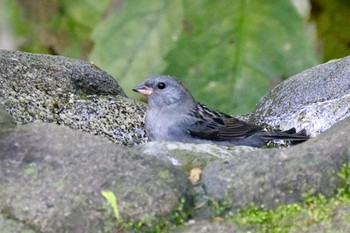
165 91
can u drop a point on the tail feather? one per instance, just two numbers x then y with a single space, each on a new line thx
288 135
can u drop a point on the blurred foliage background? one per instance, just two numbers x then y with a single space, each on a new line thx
228 53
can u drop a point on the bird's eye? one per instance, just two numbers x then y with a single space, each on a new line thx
161 85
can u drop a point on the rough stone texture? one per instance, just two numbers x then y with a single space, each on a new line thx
6 120
339 221
119 119
71 92
189 154
313 100
51 178
12 226
36 86
269 177
211 227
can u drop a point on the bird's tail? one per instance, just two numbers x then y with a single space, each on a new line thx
288 135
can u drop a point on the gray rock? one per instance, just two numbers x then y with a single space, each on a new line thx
119 119
269 177
211 227
313 100
338 221
12 226
190 154
6 120
51 178
36 86
71 92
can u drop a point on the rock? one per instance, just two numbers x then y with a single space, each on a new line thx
6 120
313 100
208 227
274 176
337 221
9 226
51 178
71 92
191 155
118 119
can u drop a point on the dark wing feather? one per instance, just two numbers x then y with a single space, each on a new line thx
216 126
234 128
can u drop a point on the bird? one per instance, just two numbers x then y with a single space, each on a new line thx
174 115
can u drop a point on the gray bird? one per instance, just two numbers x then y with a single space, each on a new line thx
174 115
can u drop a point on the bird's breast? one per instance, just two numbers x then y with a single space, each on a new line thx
165 127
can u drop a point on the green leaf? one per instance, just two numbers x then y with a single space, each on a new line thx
230 53
130 44
112 200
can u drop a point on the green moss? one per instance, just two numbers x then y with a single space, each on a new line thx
31 169
161 224
59 185
166 176
313 210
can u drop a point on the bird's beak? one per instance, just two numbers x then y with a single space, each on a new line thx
143 89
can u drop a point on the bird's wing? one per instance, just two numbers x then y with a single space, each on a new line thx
216 126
